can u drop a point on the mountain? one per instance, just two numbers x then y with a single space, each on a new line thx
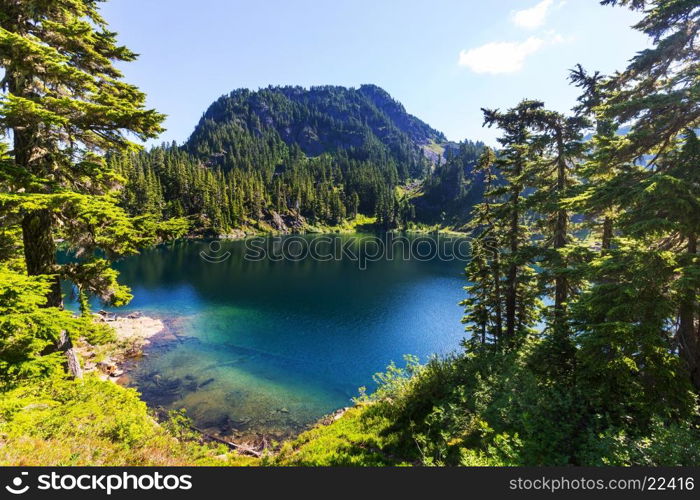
365 123
287 158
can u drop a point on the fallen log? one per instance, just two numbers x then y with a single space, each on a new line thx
234 446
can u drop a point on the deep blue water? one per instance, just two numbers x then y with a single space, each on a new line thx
272 346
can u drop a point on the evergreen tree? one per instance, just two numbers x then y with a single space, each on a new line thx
63 103
514 164
484 304
654 184
561 148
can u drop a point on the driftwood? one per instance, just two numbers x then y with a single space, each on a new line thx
65 345
238 447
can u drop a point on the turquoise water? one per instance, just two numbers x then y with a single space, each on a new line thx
268 347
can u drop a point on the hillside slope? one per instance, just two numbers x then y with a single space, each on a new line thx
366 123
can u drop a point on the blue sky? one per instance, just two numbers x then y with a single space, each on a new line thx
443 59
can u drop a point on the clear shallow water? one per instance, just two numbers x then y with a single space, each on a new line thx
269 347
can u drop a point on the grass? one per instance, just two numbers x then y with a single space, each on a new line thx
93 422
358 438
358 224
421 228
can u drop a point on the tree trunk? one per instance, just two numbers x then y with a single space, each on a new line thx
560 296
688 334
497 293
607 233
561 226
512 291
40 252
65 345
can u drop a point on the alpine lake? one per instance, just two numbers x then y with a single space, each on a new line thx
267 335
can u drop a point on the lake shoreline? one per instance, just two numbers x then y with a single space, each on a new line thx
357 226
136 335
114 360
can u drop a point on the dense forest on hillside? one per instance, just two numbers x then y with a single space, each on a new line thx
582 299
284 158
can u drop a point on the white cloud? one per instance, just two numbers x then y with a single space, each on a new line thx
534 17
501 57
555 37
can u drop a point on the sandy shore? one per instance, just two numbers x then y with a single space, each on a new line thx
138 328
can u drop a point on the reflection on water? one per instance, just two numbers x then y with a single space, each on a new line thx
269 347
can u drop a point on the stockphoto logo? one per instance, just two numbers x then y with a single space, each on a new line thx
106 483
18 487
214 254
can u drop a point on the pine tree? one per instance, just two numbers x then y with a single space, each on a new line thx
514 164
599 164
654 185
484 304
63 103
560 141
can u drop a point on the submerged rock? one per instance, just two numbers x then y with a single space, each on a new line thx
206 382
